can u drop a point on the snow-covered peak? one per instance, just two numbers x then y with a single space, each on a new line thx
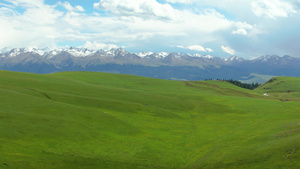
234 58
273 57
119 50
197 55
144 54
6 52
54 52
208 56
161 55
116 51
41 52
14 52
80 52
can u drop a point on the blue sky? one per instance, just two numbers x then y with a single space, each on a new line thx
246 28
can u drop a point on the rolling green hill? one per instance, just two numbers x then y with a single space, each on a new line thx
282 88
101 120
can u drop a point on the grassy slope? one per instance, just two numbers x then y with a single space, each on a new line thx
99 120
282 88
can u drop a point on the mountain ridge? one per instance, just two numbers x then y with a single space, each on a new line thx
85 52
150 64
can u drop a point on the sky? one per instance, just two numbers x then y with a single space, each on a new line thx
245 28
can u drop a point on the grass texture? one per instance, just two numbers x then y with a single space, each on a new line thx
101 120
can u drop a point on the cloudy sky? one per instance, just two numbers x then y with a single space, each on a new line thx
246 28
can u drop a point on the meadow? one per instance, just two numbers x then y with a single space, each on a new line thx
102 120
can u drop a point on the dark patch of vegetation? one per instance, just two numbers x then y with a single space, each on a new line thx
244 85
240 84
271 80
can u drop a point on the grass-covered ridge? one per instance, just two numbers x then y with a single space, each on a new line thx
282 88
101 120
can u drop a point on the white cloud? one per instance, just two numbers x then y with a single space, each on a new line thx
149 14
97 46
141 8
27 3
33 27
40 24
69 7
209 50
198 48
126 21
180 46
243 25
240 32
242 28
6 5
228 50
180 1
272 8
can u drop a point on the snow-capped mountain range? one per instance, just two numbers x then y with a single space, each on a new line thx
84 52
161 65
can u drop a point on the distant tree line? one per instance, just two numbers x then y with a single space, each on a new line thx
240 84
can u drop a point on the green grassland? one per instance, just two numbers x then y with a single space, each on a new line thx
282 88
101 120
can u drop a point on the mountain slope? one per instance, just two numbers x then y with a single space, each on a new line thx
102 120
